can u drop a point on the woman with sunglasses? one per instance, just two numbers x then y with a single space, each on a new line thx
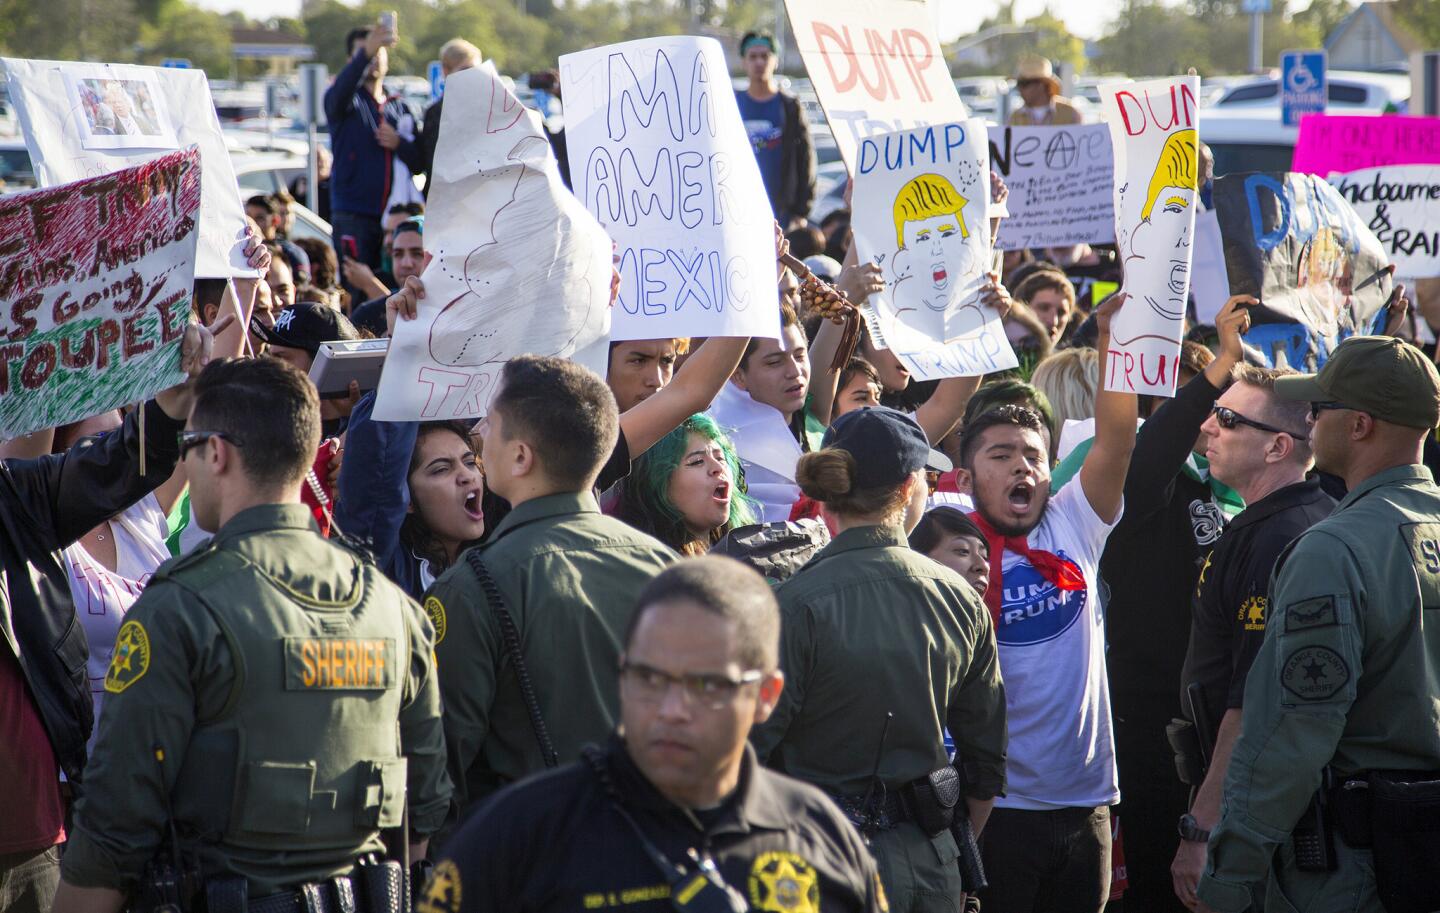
883 650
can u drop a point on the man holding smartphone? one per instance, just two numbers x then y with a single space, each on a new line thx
368 132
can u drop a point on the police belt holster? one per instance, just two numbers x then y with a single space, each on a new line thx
1396 815
373 887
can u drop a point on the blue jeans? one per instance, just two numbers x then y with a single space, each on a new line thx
369 238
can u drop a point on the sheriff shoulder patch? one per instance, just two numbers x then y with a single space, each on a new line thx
131 659
436 610
1313 613
1314 673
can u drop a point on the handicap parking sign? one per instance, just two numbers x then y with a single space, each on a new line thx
1302 85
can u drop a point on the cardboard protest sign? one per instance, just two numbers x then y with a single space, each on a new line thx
876 65
659 155
1330 142
1153 128
519 267
1061 185
86 119
922 207
96 280
1293 242
1401 204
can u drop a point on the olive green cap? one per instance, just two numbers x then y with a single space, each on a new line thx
1381 375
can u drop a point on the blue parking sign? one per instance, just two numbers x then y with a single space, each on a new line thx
437 80
1302 85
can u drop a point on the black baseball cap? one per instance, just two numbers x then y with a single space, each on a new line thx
305 325
1381 375
887 445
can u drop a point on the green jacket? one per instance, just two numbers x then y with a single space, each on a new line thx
268 688
870 626
570 577
1347 674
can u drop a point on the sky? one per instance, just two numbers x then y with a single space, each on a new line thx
1085 18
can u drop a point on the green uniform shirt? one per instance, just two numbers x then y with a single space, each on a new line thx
570 577
185 718
870 626
1347 674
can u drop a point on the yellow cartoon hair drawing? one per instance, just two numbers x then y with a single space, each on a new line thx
926 197
1177 167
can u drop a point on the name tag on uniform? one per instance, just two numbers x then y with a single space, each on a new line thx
339 663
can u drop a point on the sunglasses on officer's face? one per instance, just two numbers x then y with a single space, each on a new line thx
1228 418
1317 408
189 440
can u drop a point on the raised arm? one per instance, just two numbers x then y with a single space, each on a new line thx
1102 477
692 389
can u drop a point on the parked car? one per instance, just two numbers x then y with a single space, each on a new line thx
16 172
1347 92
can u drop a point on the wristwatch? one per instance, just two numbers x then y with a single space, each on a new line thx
1191 830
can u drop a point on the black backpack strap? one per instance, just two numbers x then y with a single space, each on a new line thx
511 636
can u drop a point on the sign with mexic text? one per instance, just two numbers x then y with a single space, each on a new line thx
95 281
1330 142
1302 85
659 155
877 66
1061 182
1401 205
1154 129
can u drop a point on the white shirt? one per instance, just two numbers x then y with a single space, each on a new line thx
102 596
767 449
1052 657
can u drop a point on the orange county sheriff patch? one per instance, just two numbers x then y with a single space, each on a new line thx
443 893
782 882
131 658
1252 612
436 610
1314 673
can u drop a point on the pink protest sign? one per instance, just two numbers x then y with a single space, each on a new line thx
1330 143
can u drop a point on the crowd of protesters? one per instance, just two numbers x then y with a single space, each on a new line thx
996 576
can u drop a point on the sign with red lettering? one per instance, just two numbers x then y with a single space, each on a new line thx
877 66
1154 129
95 285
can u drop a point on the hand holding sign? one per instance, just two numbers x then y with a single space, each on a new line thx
195 352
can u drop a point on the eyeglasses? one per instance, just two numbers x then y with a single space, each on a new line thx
189 440
1317 408
712 691
1229 418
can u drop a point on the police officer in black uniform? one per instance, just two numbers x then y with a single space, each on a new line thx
675 812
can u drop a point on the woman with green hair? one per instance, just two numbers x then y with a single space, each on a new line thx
688 490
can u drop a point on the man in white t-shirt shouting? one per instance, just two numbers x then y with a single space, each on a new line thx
1047 845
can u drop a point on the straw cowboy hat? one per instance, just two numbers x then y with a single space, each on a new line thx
1037 68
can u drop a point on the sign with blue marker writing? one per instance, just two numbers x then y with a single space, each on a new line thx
922 213
1320 272
659 155
1302 85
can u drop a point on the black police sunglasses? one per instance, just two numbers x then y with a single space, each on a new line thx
1229 418
189 440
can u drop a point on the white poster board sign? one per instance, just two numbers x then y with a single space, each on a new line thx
1209 279
877 66
519 267
1401 204
83 120
659 155
1154 131
1061 182
922 213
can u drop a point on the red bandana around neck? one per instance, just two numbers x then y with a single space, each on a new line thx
1065 574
